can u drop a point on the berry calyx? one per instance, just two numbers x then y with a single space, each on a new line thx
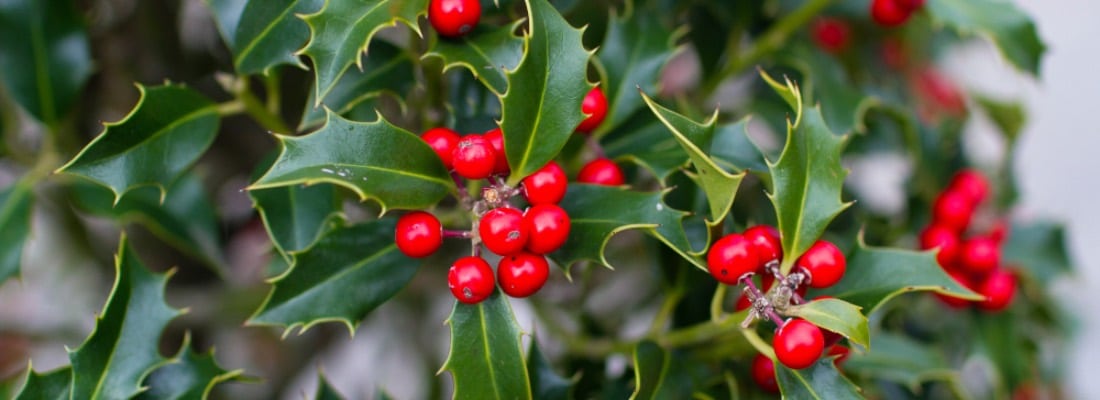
765 241
998 288
443 141
601 171
418 234
979 255
730 258
952 210
471 279
823 264
970 183
474 157
547 228
545 186
889 13
942 238
495 137
595 106
763 373
831 34
522 274
503 230
454 18
798 344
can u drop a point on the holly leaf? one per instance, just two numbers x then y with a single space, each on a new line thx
227 15
646 142
1002 22
325 391
733 150
386 69
546 384
487 53
843 104
296 216
1040 249
486 358
341 31
1008 116
598 212
899 359
15 226
269 32
130 324
719 186
651 364
167 130
188 376
837 316
875 275
807 179
45 56
374 159
634 50
53 385
542 106
818 381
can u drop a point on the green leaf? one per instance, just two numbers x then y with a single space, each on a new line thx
487 53
843 104
634 50
344 276
296 216
15 226
646 142
269 32
598 212
167 130
375 160
341 31
53 385
1039 248
542 106
325 391
45 56
227 15
486 358
130 325
837 316
818 381
719 186
875 275
732 149
188 376
650 367
1002 22
546 384
899 359
386 69
1009 116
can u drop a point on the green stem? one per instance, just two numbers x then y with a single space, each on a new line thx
669 305
274 96
716 313
254 108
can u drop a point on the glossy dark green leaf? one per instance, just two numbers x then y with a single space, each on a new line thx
598 212
487 53
375 160
341 31
167 130
1039 248
269 33
348 273
325 391
227 15
647 143
651 364
837 316
296 216
44 54
189 376
732 149
820 381
899 359
1002 22
486 358
386 69
875 275
53 385
546 384
543 103
130 324
15 226
634 50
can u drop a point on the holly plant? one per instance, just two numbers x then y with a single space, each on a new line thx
640 199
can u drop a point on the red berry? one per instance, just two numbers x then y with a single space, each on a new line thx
765 241
418 234
595 106
522 274
798 344
999 231
474 157
453 18
831 34
911 5
952 210
443 142
823 264
944 239
939 92
979 255
970 183
889 13
503 230
955 302
547 228
998 288
839 350
496 139
545 186
471 279
601 171
763 373
731 257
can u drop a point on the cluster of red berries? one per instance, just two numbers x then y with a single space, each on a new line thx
892 13
974 261
831 34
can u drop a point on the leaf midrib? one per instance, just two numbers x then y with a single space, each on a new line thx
343 272
263 33
542 97
266 182
186 118
488 350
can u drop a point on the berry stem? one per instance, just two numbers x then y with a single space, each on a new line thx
448 233
760 303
